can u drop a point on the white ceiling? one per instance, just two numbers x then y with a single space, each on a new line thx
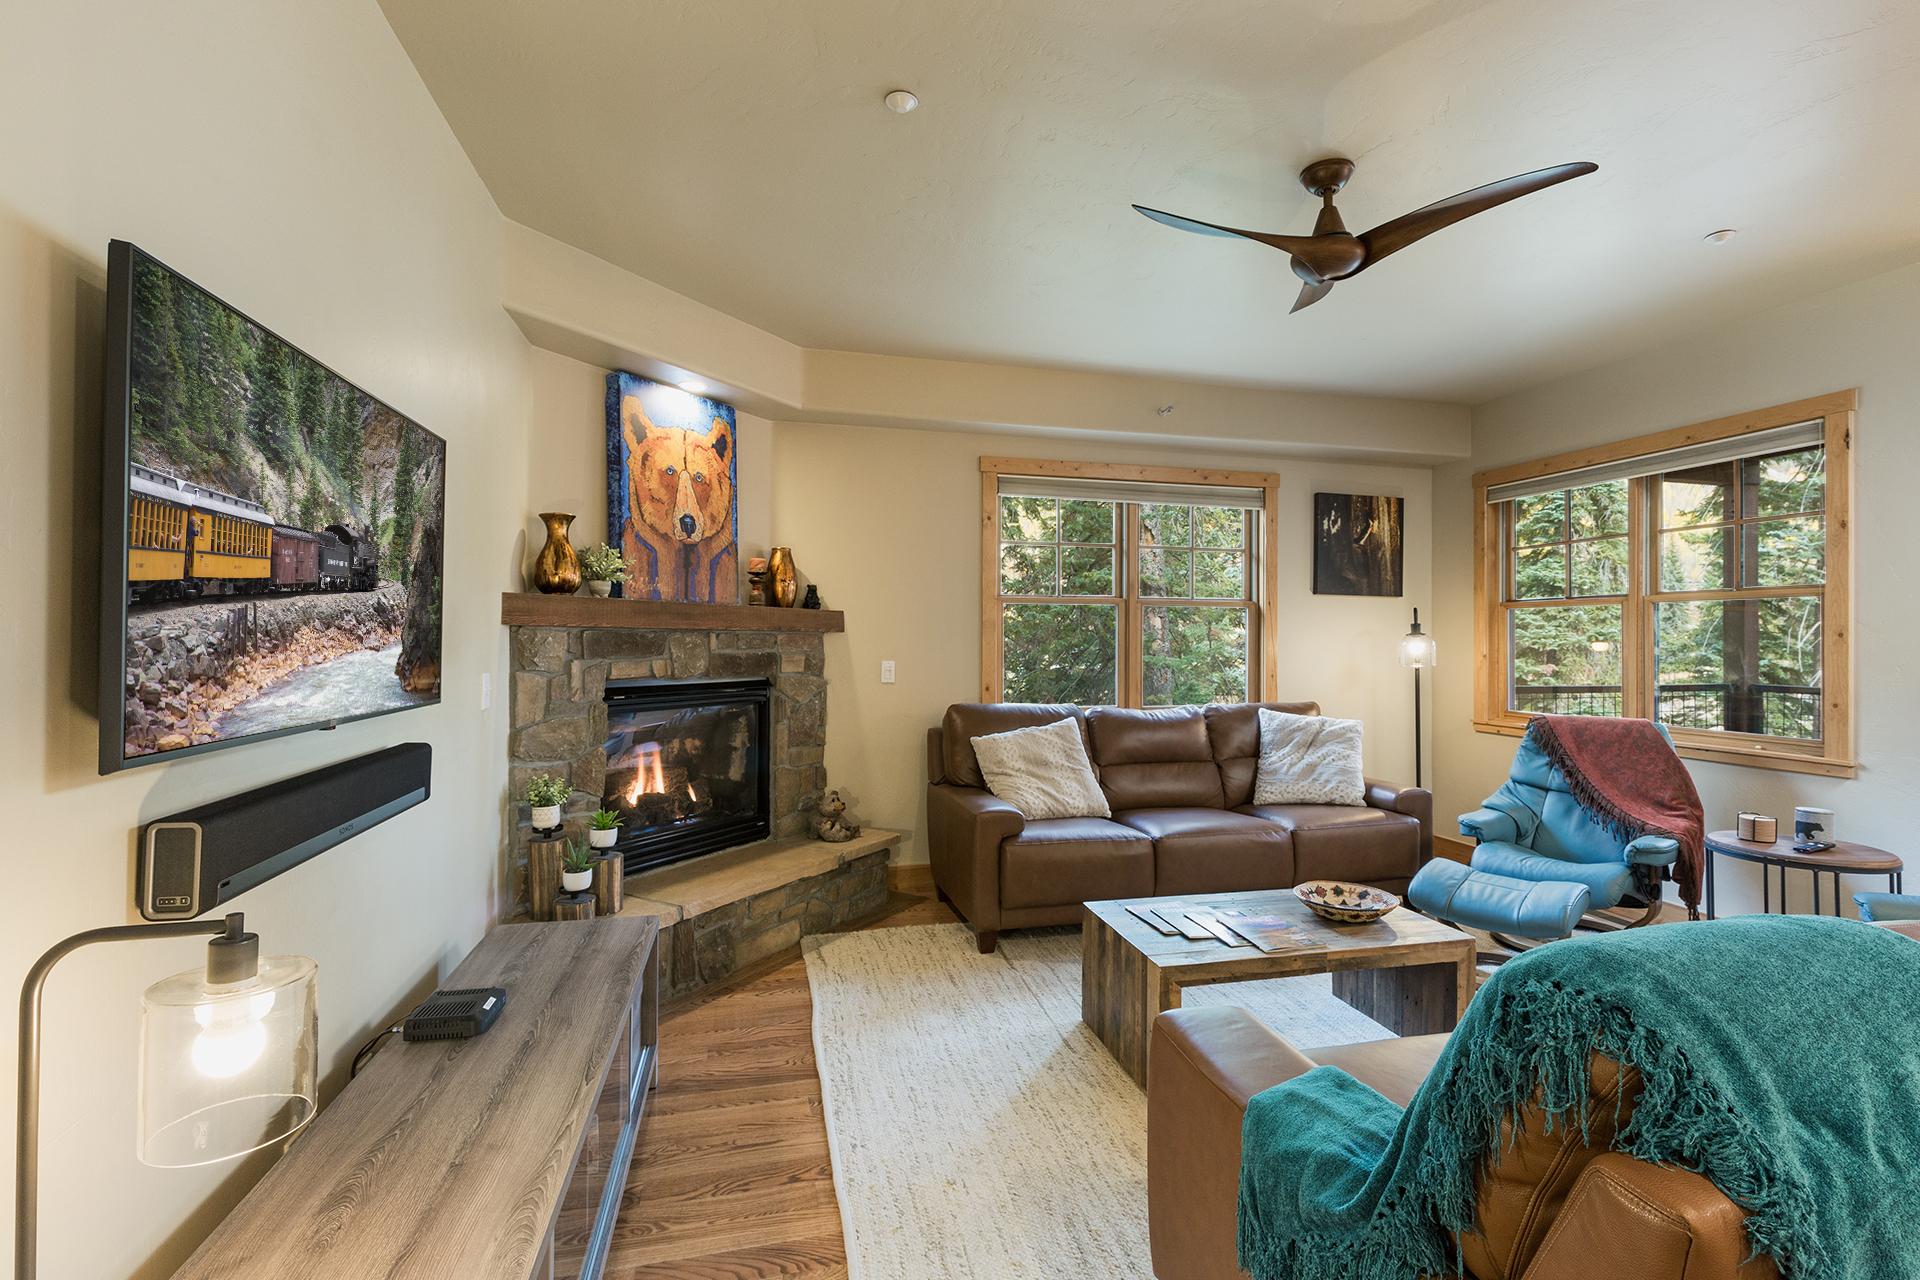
737 151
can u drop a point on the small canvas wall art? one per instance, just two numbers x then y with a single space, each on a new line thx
1356 545
671 503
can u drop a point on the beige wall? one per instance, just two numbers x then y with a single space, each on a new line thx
887 523
1857 336
288 158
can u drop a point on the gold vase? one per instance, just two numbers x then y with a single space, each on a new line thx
783 583
557 571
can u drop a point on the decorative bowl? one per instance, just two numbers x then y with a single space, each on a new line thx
1345 903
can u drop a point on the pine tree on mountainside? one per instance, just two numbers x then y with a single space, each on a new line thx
270 418
310 382
406 490
156 355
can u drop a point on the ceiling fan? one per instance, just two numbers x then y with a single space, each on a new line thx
1331 253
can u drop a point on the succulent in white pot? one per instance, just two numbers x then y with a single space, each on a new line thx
545 795
576 870
602 566
603 830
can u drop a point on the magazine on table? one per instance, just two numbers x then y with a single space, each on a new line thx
1174 919
1268 932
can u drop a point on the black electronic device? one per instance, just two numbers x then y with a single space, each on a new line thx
459 1014
1807 832
193 861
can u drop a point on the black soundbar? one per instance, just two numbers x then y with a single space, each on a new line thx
193 861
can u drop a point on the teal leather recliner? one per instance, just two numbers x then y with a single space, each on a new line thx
1882 907
1541 863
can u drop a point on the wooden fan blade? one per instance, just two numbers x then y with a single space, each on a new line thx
1310 294
1390 237
1289 244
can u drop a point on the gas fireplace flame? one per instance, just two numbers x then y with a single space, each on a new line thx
649 777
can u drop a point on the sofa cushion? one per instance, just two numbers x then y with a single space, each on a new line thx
1233 731
1042 771
966 721
1062 860
1341 842
1199 850
1154 758
1309 760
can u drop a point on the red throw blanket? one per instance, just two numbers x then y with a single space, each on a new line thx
1626 775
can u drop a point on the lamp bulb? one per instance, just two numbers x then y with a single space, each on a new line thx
231 1038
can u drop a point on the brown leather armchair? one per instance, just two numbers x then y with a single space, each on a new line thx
1180 783
1553 1206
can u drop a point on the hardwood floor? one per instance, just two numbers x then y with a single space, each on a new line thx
733 1180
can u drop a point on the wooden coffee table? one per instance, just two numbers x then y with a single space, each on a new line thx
1408 973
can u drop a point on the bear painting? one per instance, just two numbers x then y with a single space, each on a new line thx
670 491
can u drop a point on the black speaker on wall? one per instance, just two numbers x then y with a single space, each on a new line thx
193 861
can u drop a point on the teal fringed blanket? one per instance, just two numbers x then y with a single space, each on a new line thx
1779 1057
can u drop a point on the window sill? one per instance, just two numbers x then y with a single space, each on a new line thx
1749 757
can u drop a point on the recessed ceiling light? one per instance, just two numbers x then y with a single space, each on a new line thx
694 387
900 101
1721 236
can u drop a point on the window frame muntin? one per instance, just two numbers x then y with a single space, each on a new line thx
1833 754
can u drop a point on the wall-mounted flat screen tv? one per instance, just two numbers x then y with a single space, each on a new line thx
271 556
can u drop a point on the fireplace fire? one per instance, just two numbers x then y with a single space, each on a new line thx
687 766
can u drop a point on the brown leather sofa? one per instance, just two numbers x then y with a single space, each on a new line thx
1553 1206
1180 783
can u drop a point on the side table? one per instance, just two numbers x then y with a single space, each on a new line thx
1845 858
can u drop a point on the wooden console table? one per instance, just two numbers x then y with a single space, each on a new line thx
497 1158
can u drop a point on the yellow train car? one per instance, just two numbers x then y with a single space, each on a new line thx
156 541
183 539
226 547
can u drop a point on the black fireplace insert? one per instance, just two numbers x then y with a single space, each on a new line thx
687 766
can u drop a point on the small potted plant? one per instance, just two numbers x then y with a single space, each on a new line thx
576 869
546 793
602 566
603 829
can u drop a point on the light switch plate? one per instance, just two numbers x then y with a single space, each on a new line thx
886 671
486 690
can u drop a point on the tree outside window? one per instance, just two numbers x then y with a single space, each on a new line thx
1698 594
1113 602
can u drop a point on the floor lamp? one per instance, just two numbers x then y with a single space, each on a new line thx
229 1057
1416 651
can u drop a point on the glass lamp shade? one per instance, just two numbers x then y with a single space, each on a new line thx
227 1068
1417 649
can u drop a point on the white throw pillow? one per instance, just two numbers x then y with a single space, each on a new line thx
1308 760
1042 771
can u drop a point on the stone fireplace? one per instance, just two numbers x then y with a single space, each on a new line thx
706 725
563 721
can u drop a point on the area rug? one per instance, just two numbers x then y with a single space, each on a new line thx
978 1130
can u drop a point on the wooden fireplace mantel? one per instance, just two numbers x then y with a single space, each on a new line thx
531 609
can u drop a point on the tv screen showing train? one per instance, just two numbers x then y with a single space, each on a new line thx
273 555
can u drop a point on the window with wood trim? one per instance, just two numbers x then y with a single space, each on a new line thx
1698 577
1124 585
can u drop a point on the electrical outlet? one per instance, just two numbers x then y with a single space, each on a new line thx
886 671
486 690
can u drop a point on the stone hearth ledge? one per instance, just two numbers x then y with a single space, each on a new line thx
715 880
725 911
